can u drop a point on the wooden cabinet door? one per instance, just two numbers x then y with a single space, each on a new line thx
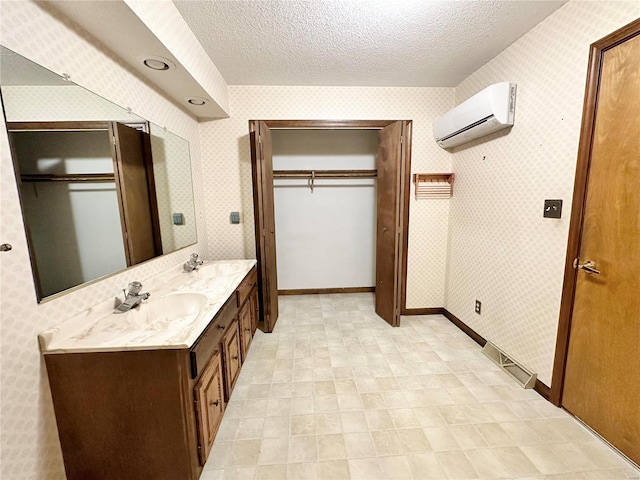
209 401
231 357
246 334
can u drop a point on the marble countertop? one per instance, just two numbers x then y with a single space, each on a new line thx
162 321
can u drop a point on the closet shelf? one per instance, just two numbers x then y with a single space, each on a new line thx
72 177
433 185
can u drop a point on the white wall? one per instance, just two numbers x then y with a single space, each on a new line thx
501 250
325 239
28 434
227 166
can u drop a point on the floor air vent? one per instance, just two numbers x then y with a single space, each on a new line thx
523 376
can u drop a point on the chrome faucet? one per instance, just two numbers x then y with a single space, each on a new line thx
193 263
132 298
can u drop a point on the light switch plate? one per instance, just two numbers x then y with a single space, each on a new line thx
234 218
552 209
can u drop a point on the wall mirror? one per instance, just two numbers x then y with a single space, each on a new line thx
101 189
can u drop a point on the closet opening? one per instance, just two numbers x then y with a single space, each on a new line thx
331 210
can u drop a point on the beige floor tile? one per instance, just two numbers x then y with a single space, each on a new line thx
387 442
349 402
303 425
271 472
404 418
326 403
379 419
250 428
494 435
359 445
485 462
372 401
413 440
333 470
354 422
396 467
441 439
275 427
245 453
302 471
346 386
426 466
239 473
467 437
328 423
515 462
364 469
331 447
302 449
273 451
456 465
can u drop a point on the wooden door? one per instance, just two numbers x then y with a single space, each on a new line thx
136 196
390 239
264 213
602 377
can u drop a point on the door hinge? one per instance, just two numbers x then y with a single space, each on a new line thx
401 139
113 140
259 139
575 262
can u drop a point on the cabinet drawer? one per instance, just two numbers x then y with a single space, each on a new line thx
246 285
209 341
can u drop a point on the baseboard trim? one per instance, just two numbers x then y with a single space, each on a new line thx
543 390
475 336
422 311
316 291
539 387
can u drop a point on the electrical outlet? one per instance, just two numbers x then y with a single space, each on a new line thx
478 307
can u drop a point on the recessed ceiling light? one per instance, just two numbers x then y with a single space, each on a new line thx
157 63
196 101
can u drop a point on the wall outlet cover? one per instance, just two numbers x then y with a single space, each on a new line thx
234 217
478 307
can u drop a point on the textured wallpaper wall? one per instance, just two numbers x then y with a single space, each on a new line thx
30 447
501 250
226 160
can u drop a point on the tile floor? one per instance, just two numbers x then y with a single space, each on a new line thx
335 393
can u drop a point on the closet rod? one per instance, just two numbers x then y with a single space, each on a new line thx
71 177
325 174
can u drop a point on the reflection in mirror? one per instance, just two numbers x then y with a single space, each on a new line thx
101 189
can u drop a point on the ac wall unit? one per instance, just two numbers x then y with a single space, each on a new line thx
488 111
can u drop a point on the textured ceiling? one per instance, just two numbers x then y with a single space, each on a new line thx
357 42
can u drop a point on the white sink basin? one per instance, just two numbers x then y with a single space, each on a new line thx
169 308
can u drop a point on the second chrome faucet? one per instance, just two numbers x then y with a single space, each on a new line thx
132 298
193 263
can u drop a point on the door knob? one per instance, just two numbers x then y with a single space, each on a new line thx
588 267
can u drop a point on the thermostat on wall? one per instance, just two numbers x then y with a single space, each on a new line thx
178 219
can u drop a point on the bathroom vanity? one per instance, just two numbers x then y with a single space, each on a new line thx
141 395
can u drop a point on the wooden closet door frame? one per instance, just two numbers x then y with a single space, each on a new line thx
594 71
337 125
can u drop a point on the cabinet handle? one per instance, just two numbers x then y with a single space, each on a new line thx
235 357
221 327
216 403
